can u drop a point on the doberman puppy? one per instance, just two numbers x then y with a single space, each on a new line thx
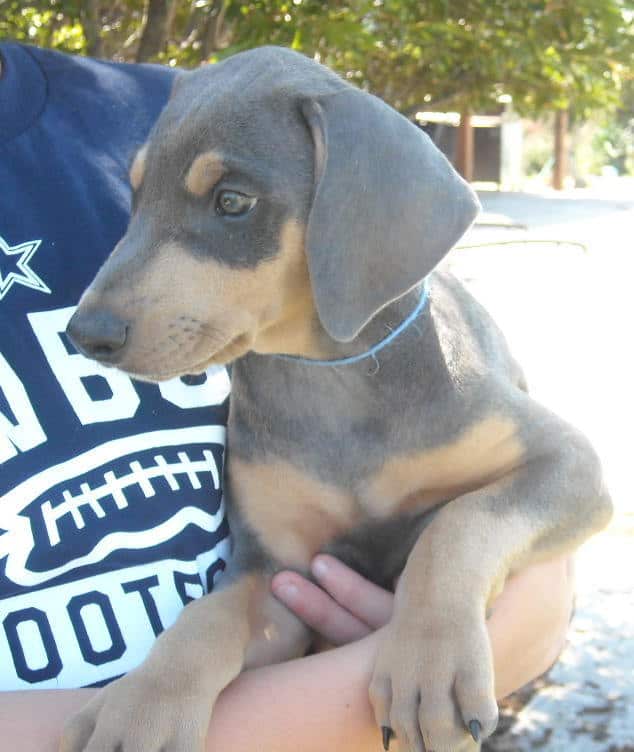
287 222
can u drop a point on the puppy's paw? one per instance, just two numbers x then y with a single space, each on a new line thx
140 714
432 686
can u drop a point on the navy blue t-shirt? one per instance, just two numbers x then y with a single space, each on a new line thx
111 515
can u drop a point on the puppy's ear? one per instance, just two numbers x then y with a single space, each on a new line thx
387 207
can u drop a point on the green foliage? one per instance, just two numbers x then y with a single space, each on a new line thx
46 24
450 54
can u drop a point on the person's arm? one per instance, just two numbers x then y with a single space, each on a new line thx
312 704
321 702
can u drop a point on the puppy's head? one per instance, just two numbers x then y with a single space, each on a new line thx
273 204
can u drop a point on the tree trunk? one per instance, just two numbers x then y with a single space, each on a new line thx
91 21
154 33
464 147
560 170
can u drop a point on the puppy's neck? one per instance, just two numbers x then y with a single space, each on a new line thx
301 335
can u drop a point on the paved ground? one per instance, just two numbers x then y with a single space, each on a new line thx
567 311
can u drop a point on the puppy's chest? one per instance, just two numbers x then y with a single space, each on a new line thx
300 500
312 462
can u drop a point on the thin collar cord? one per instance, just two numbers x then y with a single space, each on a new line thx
372 352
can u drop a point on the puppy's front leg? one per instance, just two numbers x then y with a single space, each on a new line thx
164 705
433 682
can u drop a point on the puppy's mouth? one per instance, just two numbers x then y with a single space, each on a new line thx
234 348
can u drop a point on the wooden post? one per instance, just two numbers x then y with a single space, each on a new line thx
560 169
464 147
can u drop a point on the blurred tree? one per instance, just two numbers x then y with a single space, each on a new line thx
466 54
459 54
159 18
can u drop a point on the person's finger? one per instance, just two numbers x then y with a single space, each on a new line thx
317 609
363 599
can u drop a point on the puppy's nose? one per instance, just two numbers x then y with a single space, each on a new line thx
97 334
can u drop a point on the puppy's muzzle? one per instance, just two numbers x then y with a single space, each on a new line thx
98 334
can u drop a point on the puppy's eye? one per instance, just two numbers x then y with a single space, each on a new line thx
233 203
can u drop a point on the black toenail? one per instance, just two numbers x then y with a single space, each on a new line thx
387 736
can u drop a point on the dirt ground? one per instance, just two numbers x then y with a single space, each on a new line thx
557 273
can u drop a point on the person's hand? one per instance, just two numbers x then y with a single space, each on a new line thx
533 611
346 606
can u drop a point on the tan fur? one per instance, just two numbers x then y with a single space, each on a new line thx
310 513
187 668
276 633
205 171
205 312
296 329
230 611
484 452
247 618
244 614
294 514
137 170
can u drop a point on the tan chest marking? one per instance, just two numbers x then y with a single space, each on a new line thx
480 455
293 514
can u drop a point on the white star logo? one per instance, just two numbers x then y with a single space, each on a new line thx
14 267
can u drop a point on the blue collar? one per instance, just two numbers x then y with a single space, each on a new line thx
372 352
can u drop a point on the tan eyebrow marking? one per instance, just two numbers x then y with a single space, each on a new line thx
205 171
137 170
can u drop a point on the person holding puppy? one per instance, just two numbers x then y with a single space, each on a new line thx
111 515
